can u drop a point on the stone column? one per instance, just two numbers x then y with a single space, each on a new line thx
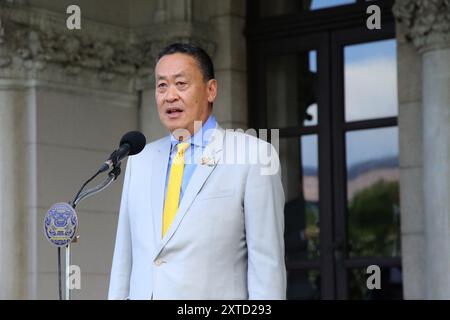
427 25
230 62
16 241
170 23
13 186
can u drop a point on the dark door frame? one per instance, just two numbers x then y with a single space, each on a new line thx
326 31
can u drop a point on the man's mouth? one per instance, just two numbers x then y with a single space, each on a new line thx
174 112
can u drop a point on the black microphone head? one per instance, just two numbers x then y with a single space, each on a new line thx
136 140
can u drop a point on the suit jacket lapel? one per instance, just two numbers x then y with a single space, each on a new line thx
159 171
213 152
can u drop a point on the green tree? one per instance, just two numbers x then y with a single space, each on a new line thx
373 220
373 228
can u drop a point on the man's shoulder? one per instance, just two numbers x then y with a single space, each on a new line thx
246 140
157 144
244 148
150 148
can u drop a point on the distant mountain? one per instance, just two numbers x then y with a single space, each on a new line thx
362 167
309 171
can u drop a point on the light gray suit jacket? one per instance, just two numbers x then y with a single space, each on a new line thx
226 241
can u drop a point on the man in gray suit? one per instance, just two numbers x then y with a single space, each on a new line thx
201 215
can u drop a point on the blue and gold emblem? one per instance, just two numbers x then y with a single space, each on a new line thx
60 224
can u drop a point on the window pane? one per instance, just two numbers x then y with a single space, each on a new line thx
303 284
391 284
283 7
373 193
291 99
299 163
370 75
320 4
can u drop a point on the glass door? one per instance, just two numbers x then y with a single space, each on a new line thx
332 95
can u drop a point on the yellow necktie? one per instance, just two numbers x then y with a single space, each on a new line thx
174 187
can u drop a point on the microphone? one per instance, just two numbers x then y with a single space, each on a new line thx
131 143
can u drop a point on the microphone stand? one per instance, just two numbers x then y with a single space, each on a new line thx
112 175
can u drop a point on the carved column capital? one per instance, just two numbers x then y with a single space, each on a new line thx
425 22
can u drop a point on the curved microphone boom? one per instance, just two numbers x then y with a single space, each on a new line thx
131 143
61 221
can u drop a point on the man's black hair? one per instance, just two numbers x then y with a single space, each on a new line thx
203 59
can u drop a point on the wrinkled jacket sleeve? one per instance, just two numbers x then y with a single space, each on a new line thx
264 227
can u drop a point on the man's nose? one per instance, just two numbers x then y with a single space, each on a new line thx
171 94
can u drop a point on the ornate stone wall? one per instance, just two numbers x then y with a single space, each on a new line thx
35 44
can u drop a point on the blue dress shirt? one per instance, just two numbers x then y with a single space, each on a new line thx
192 154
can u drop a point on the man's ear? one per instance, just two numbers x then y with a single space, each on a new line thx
211 86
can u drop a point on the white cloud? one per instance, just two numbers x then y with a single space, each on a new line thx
371 89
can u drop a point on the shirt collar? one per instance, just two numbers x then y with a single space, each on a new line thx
201 137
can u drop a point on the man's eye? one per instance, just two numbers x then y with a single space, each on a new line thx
181 84
162 85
